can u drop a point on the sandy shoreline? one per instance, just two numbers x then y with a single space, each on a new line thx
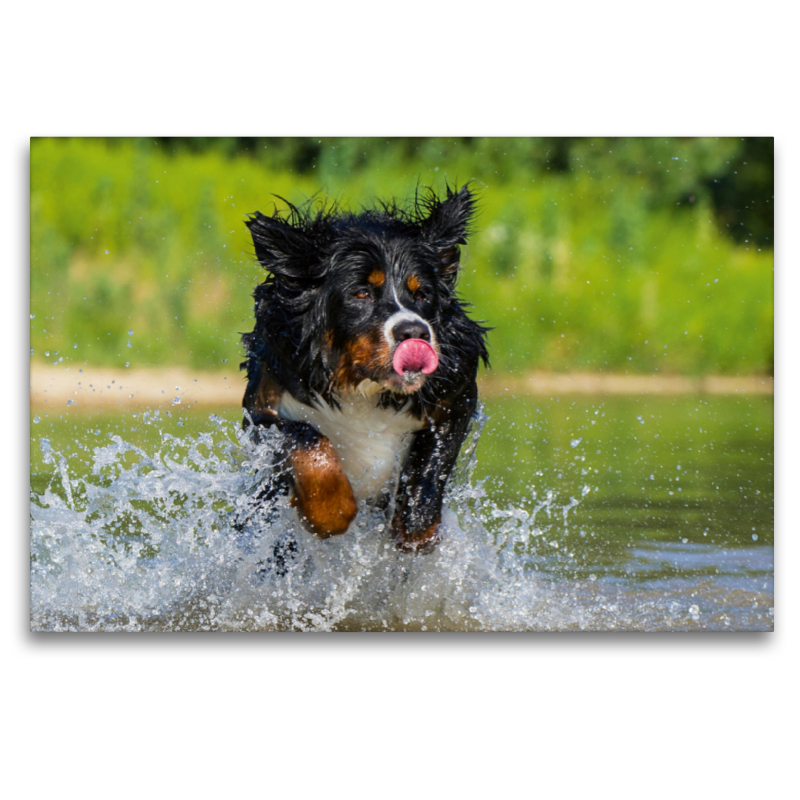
56 386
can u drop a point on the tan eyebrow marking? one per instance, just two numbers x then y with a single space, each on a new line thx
377 277
413 283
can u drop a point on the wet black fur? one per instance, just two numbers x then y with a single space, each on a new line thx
318 258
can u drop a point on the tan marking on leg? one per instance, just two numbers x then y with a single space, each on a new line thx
322 493
415 541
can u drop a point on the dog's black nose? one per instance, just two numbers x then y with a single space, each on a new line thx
411 329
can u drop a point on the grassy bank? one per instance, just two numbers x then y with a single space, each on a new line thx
139 256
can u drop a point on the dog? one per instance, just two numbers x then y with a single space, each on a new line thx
364 358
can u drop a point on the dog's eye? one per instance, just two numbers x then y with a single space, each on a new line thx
363 294
419 297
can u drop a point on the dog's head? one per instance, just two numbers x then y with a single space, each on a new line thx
359 300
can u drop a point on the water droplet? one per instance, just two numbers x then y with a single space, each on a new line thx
574 442
36 420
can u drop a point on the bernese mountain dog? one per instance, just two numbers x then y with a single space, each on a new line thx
364 358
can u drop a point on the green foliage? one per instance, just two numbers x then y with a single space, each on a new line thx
595 254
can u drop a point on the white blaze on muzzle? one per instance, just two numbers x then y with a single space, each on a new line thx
404 315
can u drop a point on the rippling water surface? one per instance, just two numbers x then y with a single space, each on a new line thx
568 514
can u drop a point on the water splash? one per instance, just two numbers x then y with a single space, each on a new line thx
125 539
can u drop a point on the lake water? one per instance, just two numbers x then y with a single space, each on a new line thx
578 513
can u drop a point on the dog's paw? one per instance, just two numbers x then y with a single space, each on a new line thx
409 540
322 496
284 553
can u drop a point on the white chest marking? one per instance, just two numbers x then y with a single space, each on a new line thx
370 441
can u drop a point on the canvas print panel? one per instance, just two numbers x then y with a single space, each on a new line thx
487 384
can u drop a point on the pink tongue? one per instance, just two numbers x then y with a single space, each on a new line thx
415 355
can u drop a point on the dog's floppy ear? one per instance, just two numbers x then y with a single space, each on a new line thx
447 226
281 248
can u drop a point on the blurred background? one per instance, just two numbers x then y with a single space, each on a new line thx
631 255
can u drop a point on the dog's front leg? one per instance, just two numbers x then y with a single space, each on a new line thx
321 491
433 454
